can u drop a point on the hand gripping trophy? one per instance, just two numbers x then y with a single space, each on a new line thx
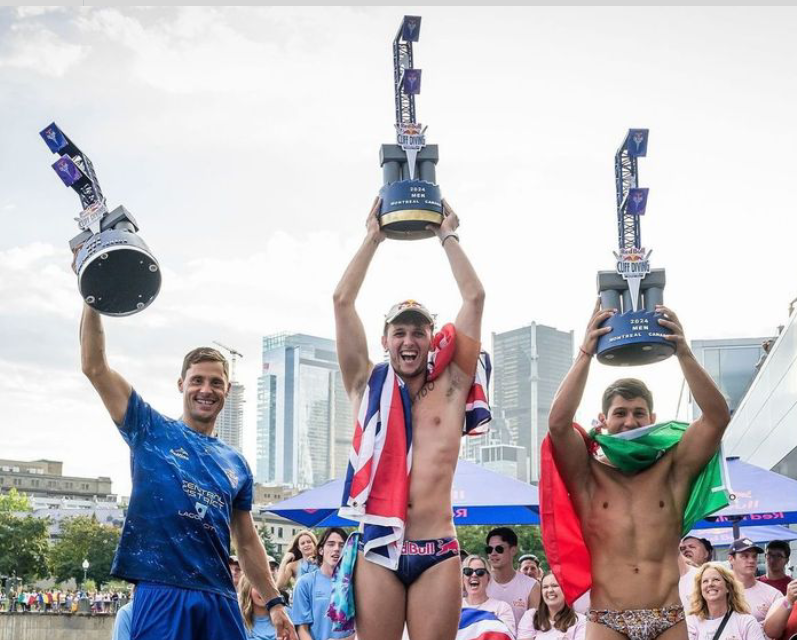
633 289
410 198
117 274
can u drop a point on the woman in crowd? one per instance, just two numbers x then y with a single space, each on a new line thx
475 578
554 620
781 621
253 607
299 559
718 608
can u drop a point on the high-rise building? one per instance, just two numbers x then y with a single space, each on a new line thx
304 423
230 423
529 364
731 363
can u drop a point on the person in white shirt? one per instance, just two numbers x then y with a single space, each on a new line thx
519 591
743 558
554 620
475 578
718 601
694 552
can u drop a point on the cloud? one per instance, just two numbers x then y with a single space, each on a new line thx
32 47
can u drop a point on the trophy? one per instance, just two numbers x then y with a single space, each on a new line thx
410 198
633 288
117 274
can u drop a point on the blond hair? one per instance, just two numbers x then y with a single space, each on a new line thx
245 601
735 598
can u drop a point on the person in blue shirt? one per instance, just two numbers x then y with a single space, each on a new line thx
300 558
190 493
122 622
313 590
253 607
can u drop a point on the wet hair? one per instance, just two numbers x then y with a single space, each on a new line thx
735 598
294 548
627 388
505 533
323 539
562 621
204 354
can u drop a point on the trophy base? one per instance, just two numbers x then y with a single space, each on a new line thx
636 339
117 276
408 207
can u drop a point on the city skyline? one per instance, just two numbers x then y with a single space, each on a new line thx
245 142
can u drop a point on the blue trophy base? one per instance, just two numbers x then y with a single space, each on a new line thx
408 207
636 338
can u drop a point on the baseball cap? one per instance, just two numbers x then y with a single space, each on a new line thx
744 544
408 306
528 556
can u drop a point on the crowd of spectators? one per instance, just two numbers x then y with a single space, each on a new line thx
723 601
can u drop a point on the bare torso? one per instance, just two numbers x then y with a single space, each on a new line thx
632 527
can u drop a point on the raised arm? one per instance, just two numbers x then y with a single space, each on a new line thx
349 331
703 436
114 390
469 318
569 448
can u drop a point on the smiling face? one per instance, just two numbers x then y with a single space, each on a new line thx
713 587
204 388
332 549
306 546
744 563
408 345
552 593
475 584
627 414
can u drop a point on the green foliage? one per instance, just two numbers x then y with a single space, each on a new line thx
474 538
268 543
83 538
24 546
14 501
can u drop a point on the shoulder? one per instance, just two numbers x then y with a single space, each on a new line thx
527 581
767 590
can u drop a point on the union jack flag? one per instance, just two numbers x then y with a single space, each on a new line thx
475 624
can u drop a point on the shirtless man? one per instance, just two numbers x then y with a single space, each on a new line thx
423 592
632 523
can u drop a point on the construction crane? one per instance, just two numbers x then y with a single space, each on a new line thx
234 355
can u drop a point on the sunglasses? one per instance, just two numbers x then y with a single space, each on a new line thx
499 548
468 572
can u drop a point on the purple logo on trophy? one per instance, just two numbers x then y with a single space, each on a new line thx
54 138
411 82
637 201
637 143
67 170
411 28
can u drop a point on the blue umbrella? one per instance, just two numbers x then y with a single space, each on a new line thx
724 537
762 498
479 496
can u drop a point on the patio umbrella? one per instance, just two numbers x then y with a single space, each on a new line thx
724 537
479 496
762 497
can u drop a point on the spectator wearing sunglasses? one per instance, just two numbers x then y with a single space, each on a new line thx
519 591
475 578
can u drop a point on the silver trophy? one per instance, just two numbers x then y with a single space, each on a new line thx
117 273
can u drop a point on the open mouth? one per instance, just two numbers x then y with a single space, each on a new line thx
408 356
205 402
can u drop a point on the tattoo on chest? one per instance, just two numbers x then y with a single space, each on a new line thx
424 390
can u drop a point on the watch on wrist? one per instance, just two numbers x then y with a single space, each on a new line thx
275 602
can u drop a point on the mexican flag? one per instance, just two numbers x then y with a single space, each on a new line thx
630 452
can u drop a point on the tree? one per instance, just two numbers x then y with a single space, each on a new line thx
83 538
265 536
23 541
14 502
474 538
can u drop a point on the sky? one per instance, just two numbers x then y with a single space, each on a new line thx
245 142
